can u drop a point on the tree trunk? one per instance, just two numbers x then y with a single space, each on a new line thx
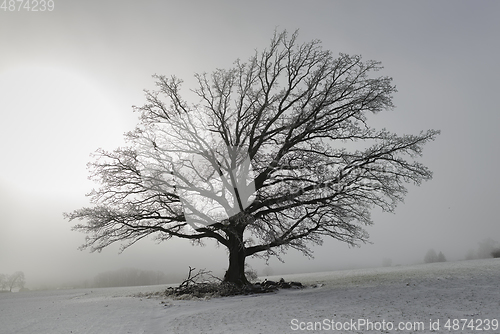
236 271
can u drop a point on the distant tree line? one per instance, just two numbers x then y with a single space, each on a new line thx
486 249
130 277
431 256
9 282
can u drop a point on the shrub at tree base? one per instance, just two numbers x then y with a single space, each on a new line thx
224 289
204 285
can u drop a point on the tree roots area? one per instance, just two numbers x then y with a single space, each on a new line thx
204 285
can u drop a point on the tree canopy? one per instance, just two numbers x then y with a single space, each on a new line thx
16 280
275 153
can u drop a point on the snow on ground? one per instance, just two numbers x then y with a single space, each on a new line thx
413 297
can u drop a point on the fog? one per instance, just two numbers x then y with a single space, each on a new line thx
69 77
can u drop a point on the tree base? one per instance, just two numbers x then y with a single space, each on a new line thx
204 285
225 289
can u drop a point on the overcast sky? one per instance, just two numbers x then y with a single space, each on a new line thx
69 77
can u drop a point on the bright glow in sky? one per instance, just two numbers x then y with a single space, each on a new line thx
47 112
68 79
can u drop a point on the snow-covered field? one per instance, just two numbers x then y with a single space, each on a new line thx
413 298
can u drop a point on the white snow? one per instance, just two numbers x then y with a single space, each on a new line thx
408 294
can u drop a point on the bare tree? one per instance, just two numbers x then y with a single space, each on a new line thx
276 153
16 280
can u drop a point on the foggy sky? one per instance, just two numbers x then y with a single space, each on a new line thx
68 79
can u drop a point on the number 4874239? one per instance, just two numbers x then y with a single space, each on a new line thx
471 324
27 5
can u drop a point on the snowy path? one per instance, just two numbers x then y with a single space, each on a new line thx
455 290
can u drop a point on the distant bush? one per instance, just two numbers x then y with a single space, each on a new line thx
496 253
441 257
432 256
485 250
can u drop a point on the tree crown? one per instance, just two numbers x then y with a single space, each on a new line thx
261 157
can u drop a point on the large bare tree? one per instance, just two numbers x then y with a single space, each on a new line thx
275 153
16 280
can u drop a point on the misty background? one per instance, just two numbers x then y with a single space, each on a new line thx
69 77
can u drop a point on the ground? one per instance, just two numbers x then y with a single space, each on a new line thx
418 295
